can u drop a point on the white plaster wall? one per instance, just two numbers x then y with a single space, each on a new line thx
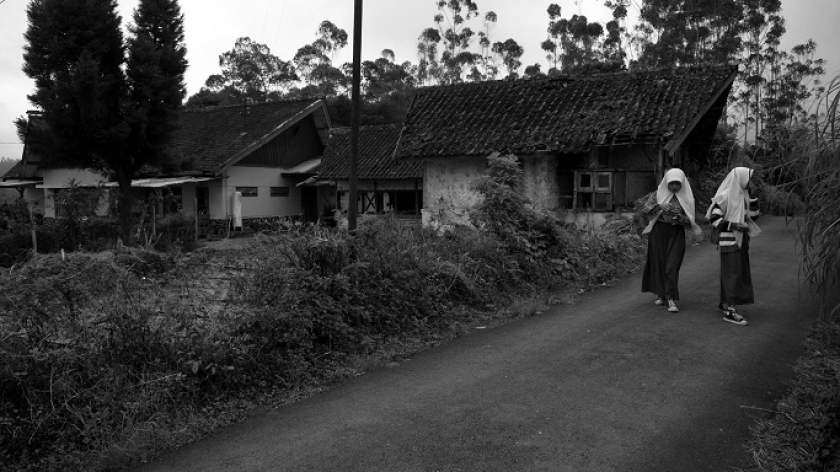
447 189
264 205
60 178
540 182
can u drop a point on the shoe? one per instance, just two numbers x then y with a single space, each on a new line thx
732 316
659 301
672 307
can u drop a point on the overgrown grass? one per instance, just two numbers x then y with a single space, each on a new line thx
109 358
805 433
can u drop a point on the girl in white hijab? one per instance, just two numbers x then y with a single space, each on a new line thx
732 214
670 210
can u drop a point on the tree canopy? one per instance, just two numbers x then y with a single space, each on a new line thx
108 104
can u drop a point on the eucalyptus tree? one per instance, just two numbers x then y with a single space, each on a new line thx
314 61
452 51
576 44
252 70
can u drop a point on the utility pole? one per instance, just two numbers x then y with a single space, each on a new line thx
354 124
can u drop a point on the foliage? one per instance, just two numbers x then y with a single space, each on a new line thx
104 109
505 211
104 356
14 216
574 45
805 432
73 206
250 69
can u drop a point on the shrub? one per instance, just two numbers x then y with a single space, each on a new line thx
17 247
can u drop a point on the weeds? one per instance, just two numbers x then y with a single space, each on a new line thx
105 357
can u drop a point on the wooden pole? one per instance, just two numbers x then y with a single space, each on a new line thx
32 229
354 126
195 215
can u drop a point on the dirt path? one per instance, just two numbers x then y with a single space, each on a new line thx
612 383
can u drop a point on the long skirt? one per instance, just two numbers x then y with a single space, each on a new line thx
666 249
735 278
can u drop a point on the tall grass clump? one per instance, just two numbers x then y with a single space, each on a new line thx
805 433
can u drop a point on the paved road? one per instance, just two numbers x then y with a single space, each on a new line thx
612 383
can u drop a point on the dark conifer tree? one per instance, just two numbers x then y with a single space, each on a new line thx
99 114
155 70
74 52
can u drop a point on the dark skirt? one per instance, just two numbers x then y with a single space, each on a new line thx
666 249
735 278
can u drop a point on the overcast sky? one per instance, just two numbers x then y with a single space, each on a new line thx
212 27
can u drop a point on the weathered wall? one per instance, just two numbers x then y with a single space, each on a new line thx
639 184
633 158
541 182
447 189
263 204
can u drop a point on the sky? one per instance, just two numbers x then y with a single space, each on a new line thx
212 28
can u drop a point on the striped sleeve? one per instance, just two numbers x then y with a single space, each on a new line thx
753 210
717 219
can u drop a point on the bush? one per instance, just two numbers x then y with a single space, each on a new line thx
17 247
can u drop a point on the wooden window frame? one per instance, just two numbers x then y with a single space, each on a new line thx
593 189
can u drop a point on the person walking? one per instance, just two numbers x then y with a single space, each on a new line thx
669 210
732 214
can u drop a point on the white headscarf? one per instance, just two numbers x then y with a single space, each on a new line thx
734 200
684 195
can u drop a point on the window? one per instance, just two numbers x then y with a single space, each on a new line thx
279 191
594 190
248 191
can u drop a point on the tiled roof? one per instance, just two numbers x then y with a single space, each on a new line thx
563 114
207 138
376 155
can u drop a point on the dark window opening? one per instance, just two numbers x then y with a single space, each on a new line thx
248 191
279 191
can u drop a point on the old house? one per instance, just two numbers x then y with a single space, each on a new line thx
228 163
587 144
385 185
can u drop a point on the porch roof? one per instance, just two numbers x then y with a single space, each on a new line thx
305 167
162 182
19 183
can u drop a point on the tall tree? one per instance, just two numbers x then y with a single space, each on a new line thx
155 70
74 52
510 52
315 62
576 45
684 32
252 70
102 111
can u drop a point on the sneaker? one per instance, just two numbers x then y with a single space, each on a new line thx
659 301
732 316
672 307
